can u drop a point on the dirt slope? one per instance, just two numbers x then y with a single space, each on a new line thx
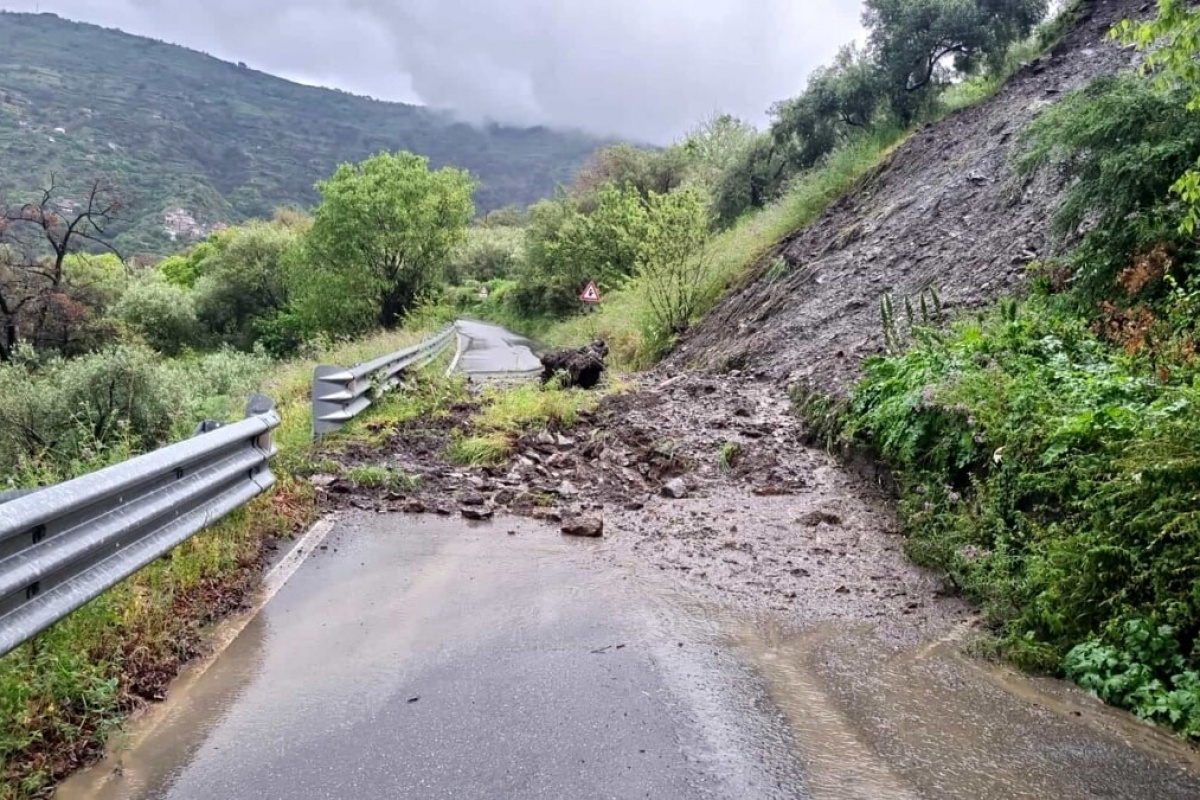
945 211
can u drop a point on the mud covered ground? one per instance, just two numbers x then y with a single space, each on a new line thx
945 211
707 479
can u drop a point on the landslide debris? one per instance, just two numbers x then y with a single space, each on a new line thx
943 211
707 480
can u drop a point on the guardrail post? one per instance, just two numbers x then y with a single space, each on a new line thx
339 394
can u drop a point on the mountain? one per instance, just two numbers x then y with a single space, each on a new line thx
193 142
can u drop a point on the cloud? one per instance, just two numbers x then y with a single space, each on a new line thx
642 69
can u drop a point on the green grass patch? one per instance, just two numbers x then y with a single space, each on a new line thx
479 451
372 476
532 406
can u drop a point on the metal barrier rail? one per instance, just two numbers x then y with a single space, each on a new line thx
339 394
64 545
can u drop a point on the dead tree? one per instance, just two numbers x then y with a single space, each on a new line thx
35 239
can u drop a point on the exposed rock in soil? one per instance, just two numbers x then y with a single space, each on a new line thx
944 211
584 526
675 489
477 512
577 367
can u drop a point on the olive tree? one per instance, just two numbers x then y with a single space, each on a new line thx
383 231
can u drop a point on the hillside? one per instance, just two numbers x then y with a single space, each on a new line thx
944 211
194 141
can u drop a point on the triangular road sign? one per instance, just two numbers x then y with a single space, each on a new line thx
590 294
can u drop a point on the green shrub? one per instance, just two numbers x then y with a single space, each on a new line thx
1122 145
1052 477
162 313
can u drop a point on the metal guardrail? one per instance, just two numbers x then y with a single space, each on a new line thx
64 545
339 394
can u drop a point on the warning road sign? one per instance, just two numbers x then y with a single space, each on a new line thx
590 294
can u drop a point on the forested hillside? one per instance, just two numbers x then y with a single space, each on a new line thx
193 141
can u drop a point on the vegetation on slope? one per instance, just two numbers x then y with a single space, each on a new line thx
1046 450
208 142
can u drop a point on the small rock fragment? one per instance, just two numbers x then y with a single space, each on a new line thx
815 518
477 512
675 488
471 499
584 526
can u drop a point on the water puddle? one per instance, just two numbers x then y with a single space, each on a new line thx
872 719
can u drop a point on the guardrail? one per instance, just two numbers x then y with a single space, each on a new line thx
339 394
64 545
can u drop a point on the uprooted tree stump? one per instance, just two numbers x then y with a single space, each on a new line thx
576 367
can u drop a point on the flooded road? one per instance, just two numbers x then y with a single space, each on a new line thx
430 658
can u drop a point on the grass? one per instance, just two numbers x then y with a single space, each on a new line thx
730 452
506 413
63 692
479 451
373 476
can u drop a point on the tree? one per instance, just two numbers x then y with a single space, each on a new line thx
751 180
565 247
386 227
713 145
36 239
242 279
912 41
1172 40
671 269
160 312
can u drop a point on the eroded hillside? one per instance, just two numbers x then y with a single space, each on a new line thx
945 211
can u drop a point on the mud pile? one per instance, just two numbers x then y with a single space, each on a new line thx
707 480
944 211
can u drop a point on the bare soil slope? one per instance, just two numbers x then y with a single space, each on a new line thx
945 210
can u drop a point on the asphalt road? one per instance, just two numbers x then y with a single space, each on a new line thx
491 352
434 658
425 658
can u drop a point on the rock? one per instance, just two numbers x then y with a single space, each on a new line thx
477 512
443 511
545 438
506 496
548 514
560 461
414 506
565 442
815 518
584 526
634 505
675 488
567 489
581 367
471 499
321 480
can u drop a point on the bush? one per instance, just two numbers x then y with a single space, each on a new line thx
161 313
1050 476
1122 145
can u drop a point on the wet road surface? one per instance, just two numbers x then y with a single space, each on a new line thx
424 658
428 658
490 351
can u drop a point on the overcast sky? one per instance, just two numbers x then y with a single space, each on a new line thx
641 69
